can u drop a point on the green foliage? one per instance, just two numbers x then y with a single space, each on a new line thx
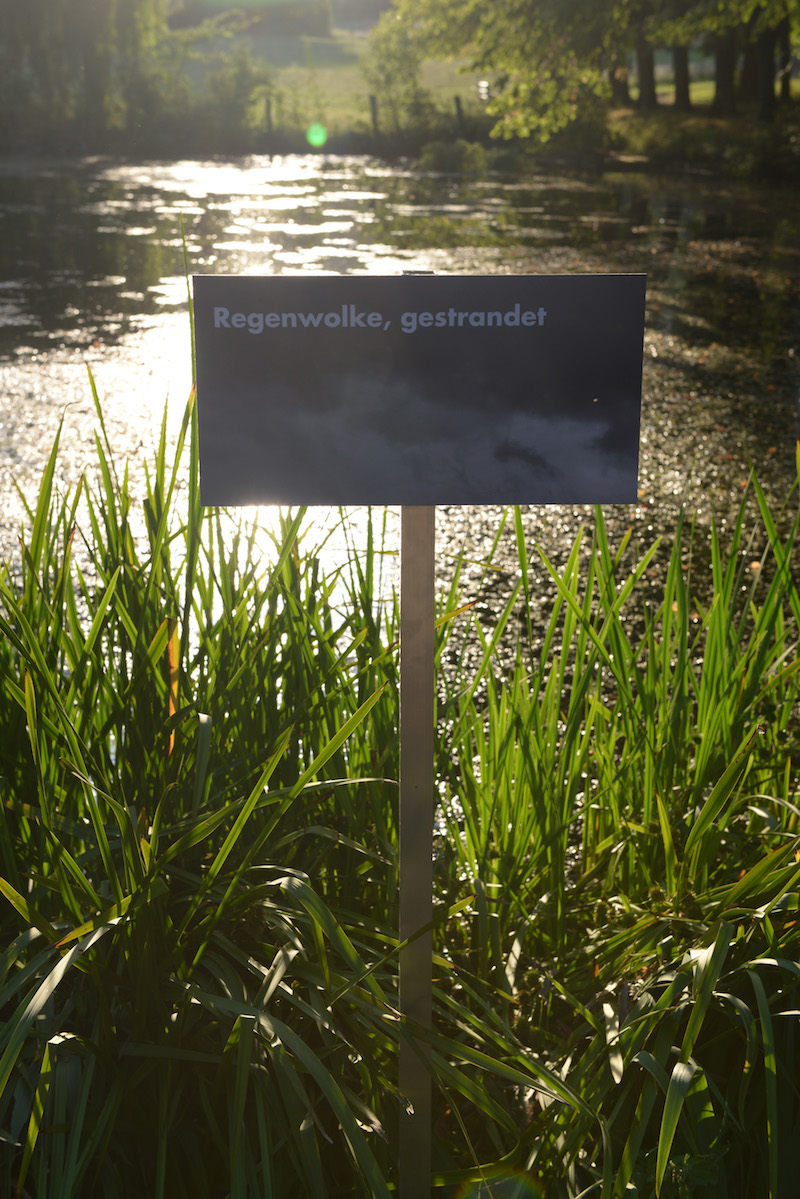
626 812
392 72
539 75
227 111
458 157
198 855
679 21
198 870
310 18
113 75
733 147
75 64
101 74
169 1017
551 63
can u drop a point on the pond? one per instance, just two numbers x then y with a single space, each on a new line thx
93 259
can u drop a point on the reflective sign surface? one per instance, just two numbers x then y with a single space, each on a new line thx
419 389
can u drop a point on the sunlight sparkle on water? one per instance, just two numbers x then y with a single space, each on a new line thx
100 282
200 180
336 536
317 217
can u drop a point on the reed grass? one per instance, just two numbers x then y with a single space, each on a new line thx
198 860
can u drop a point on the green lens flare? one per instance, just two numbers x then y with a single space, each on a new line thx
316 134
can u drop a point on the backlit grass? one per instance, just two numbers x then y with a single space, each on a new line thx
198 862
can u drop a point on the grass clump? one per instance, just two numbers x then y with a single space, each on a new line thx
458 157
153 747
737 146
198 866
626 809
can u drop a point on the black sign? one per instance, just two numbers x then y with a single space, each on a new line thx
419 389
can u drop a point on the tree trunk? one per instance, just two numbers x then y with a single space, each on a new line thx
680 68
765 53
645 66
747 90
785 59
724 74
618 78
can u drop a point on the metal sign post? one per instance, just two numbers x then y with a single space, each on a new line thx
417 620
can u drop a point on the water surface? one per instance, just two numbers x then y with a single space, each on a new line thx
93 255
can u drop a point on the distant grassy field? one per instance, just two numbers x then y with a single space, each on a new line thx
702 91
320 79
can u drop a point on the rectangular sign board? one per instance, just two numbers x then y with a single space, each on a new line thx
418 389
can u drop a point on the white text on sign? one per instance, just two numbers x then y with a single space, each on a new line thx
349 317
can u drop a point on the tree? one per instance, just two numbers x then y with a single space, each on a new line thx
546 58
785 54
549 60
141 36
680 71
745 29
76 65
646 70
392 71
34 46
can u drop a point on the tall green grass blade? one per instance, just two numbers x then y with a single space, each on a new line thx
770 1081
682 1075
782 550
204 729
751 1040
25 1016
41 519
670 856
245 1028
336 742
91 638
248 807
695 848
653 1067
75 1160
27 911
615 1058
707 967
36 1117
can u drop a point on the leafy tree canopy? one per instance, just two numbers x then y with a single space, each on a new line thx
549 60
76 60
93 73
